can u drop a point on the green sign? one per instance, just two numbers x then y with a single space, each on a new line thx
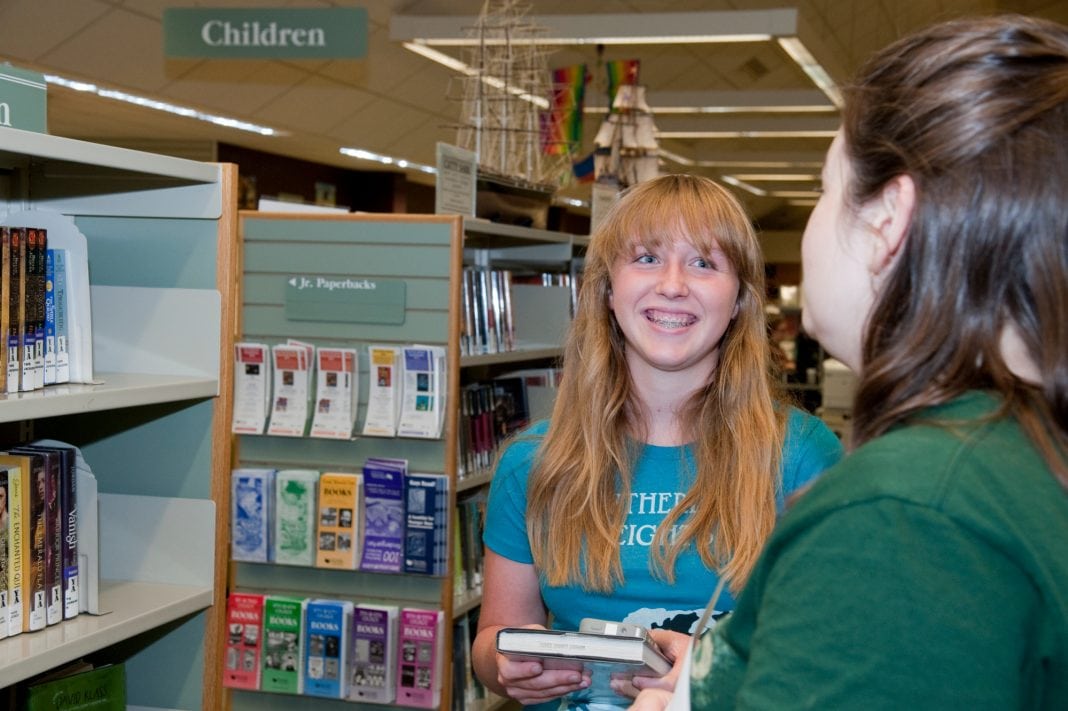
265 33
345 299
23 99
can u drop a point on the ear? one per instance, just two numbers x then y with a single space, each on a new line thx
888 216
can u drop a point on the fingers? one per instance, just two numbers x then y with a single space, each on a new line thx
651 700
529 682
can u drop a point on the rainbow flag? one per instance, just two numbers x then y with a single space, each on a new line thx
561 126
621 71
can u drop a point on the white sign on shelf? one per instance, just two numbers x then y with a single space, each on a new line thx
454 192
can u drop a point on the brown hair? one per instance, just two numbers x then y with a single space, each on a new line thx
975 112
580 482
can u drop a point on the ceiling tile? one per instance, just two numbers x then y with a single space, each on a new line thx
52 22
313 105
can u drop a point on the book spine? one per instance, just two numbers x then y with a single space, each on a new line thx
50 319
296 493
14 306
244 643
250 522
5 298
53 539
35 596
59 287
338 524
5 533
15 479
374 644
383 516
39 294
326 625
69 508
281 644
27 310
419 658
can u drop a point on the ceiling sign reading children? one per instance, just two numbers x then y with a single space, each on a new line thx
265 33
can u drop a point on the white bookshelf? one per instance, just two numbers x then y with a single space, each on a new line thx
134 607
161 234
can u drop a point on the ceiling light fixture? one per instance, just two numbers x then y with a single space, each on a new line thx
419 32
731 180
155 104
362 154
778 177
747 134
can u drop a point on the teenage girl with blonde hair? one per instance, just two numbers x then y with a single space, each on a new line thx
667 456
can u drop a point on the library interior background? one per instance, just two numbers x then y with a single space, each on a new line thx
279 276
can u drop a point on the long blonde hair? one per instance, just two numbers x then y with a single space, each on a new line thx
580 482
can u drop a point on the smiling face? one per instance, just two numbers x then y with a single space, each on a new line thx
673 304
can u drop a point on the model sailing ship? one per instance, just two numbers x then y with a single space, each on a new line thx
504 97
625 148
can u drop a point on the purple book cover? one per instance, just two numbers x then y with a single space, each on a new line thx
374 642
383 535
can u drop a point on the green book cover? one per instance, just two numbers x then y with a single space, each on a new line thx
281 644
100 689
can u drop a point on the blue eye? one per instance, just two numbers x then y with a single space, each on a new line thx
645 259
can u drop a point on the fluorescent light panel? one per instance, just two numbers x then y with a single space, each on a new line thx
362 154
164 106
746 134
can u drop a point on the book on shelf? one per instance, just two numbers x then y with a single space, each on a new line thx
15 247
470 512
32 526
252 388
419 659
54 584
292 377
423 390
327 632
15 544
5 527
383 515
79 687
383 391
244 641
374 649
603 656
281 644
426 522
296 496
339 526
336 393
79 504
61 297
37 247
50 319
251 501
467 690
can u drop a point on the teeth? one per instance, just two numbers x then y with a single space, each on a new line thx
671 322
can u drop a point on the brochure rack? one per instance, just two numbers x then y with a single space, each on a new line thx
161 237
427 253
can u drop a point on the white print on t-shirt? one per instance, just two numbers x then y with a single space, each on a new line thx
653 506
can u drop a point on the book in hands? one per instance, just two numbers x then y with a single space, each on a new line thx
627 656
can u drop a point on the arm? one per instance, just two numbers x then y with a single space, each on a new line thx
511 598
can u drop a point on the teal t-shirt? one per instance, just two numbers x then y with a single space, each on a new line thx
661 477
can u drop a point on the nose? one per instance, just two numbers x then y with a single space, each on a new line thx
672 282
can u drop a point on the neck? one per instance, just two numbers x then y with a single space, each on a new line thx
661 399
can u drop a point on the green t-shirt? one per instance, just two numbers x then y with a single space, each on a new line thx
928 570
